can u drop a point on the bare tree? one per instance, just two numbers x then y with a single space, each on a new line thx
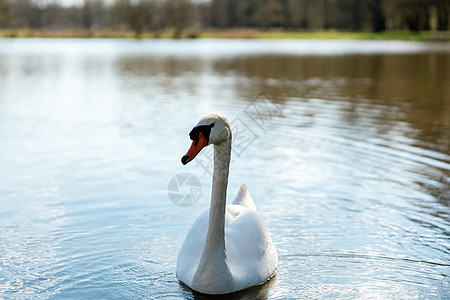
179 15
4 13
94 14
378 16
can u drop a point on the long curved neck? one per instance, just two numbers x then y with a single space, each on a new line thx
216 229
213 261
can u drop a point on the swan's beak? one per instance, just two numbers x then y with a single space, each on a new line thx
196 146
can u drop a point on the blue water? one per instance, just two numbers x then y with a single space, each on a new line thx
344 146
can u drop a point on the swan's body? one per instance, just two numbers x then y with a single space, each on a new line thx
228 247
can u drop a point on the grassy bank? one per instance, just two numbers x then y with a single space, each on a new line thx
393 35
229 34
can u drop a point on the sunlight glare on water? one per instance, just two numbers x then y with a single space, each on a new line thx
351 174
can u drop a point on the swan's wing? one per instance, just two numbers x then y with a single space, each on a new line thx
250 252
243 198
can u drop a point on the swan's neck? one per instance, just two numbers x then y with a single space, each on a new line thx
216 230
214 258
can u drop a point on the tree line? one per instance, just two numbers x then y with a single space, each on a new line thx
155 15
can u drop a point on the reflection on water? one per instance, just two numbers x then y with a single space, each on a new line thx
418 84
353 179
255 292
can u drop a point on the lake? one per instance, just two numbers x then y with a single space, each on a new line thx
344 146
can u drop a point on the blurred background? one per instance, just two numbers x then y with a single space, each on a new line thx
344 143
192 18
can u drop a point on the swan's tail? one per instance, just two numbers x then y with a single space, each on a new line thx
243 198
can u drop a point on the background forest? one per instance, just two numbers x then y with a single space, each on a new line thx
142 16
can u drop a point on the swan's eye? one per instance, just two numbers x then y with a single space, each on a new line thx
205 130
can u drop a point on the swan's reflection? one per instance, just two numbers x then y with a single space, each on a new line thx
253 293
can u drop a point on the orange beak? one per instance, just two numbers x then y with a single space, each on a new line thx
196 146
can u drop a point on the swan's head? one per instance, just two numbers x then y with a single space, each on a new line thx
211 129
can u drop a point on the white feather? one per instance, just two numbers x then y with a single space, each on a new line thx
250 258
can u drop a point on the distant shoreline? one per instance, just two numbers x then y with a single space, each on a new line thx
240 33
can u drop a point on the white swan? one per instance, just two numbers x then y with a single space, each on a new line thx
228 248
